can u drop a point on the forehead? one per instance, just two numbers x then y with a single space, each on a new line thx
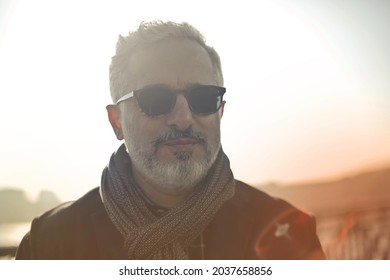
175 62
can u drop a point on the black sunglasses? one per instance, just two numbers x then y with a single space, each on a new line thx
160 100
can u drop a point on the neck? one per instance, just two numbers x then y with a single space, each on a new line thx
164 196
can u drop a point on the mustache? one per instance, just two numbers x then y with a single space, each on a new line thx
175 134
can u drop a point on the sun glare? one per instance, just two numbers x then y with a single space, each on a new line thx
297 105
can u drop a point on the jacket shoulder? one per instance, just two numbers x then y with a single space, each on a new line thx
281 230
66 215
72 211
58 232
252 199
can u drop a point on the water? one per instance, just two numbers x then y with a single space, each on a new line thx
12 233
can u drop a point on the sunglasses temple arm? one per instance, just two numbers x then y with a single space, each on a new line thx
125 97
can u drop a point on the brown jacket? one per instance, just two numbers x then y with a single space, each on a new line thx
251 225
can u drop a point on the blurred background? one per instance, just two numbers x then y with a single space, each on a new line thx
307 115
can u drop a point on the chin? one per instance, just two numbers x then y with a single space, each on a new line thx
184 173
171 157
179 170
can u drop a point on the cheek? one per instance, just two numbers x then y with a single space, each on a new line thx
130 124
210 126
140 128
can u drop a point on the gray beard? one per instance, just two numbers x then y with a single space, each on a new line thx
182 174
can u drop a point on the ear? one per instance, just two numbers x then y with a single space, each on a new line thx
114 118
222 108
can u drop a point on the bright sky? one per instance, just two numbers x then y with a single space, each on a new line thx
308 88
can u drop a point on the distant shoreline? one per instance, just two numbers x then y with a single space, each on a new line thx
7 253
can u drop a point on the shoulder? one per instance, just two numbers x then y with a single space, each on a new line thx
56 233
256 205
280 230
248 198
70 213
84 206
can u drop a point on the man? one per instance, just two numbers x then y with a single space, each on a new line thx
168 191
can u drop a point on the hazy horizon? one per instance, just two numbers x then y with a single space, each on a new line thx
33 197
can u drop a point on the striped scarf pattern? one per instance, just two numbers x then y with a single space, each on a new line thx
147 236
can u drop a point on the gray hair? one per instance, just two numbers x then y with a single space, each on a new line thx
149 33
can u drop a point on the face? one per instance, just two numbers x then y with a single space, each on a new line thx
174 150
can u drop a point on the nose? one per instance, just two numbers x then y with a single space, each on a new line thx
181 116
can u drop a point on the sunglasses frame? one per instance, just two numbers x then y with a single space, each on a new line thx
137 93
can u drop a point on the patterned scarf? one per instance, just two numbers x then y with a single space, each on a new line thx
147 236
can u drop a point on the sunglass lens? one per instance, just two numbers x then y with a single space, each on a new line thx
205 100
156 101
